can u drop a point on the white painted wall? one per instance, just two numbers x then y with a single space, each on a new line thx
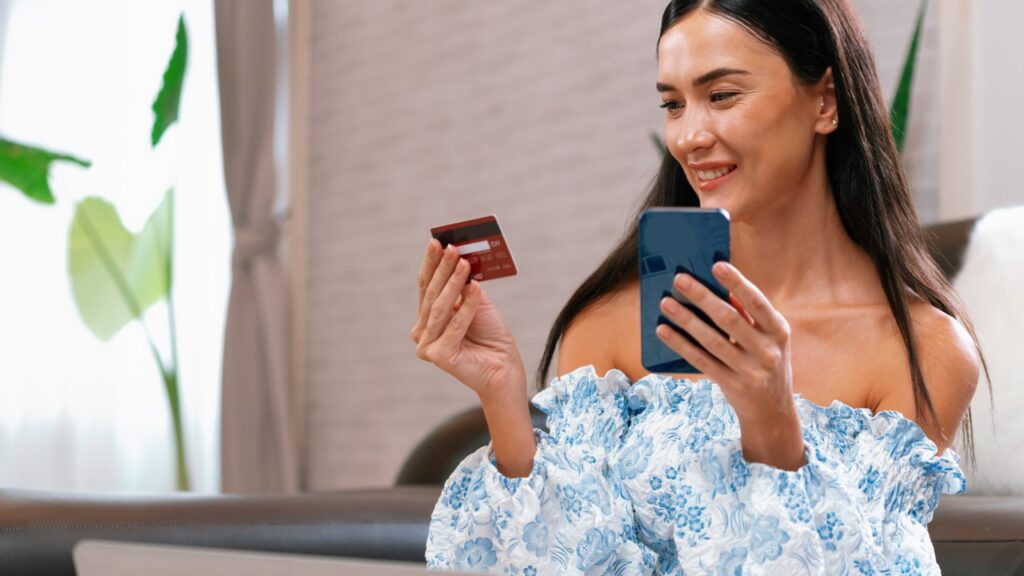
425 113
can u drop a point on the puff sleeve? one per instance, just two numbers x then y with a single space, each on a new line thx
567 516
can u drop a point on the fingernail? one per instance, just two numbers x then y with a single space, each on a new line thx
684 280
670 305
721 268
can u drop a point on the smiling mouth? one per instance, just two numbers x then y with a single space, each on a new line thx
705 175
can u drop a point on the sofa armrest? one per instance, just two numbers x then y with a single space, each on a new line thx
979 535
39 529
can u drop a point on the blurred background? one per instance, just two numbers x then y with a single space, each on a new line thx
313 145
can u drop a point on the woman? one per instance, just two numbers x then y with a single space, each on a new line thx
815 438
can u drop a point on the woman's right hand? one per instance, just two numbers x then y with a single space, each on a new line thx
459 329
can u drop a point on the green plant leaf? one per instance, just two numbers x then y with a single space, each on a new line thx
901 101
165 107
28 169
116 275
659 144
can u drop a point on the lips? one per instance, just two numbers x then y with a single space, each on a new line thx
710 175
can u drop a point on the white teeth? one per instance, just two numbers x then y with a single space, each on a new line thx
712 174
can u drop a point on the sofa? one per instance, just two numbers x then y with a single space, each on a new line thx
972 534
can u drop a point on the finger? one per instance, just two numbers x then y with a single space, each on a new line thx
437 282
739 308
456 330
700 359
754 302
723 314
442 309
713 342
430 261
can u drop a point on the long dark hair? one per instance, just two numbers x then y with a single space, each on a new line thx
863 166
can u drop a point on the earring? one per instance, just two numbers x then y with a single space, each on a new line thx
835 122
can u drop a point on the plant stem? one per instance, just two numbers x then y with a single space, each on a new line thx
169 274
173 400
173 393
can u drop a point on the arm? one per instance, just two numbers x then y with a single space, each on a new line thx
459 329
565 516
585 341
507 412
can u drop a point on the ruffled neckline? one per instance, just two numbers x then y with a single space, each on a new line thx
616 381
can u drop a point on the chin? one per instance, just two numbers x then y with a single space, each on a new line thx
714 201
729 199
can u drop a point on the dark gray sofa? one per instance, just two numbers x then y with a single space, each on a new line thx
972 535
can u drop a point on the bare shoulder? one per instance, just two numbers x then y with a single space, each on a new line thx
951 368
948 354
594 335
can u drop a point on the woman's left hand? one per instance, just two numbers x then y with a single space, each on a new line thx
751 365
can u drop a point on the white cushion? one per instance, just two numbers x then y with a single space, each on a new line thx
991 283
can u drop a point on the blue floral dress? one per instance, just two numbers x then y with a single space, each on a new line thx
651 479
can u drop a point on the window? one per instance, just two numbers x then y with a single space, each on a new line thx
77 413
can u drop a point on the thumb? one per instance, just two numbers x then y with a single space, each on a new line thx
484 300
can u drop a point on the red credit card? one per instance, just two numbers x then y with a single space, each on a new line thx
481 243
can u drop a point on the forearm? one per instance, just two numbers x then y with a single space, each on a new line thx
511 428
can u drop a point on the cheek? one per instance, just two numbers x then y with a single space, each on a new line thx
774 147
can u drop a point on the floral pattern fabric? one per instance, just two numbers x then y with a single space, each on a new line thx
650 478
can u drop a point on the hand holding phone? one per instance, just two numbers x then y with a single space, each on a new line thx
751 364
674 240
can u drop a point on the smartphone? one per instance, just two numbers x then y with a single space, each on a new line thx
674 240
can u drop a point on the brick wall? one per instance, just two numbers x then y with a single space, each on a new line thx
424 113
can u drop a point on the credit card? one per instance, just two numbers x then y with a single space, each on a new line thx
481 243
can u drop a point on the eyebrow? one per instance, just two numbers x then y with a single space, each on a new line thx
705 78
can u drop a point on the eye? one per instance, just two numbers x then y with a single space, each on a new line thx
719 97
672 107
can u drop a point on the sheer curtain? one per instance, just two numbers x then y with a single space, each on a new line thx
258 449
77 413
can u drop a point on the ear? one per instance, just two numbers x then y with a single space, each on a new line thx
824 92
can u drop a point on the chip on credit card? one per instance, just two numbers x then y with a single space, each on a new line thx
481 243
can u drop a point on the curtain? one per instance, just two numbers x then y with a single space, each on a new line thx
257 450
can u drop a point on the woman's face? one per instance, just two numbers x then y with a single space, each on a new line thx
736 118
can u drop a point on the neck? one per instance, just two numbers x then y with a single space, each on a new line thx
800 256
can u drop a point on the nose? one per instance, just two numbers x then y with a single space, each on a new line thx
695 134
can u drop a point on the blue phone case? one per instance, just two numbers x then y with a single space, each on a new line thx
674 240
